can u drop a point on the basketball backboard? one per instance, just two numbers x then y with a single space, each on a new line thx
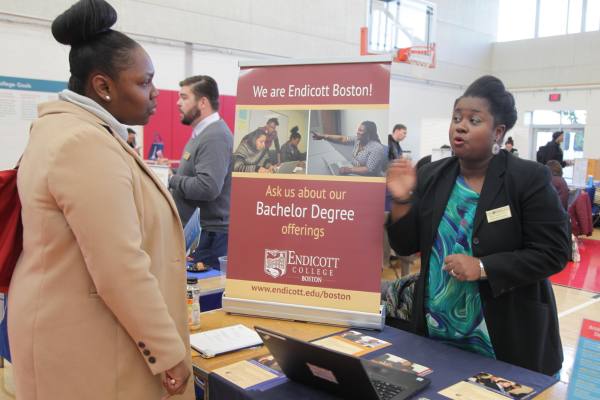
403 28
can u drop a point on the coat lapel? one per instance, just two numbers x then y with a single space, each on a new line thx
493 184
60 106
148 172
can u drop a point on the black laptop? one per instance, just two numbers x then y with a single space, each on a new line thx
341 374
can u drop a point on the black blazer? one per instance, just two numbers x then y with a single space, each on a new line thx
394 149
554 152
519 254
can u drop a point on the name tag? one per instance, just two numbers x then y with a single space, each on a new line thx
498 214
186 156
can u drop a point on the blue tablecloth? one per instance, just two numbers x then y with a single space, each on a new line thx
4 349
449 364
211 273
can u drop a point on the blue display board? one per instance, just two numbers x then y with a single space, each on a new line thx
585 378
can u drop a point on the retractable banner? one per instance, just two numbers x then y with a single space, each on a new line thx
307 203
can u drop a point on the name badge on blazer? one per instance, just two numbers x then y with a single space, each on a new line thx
498 214
186 156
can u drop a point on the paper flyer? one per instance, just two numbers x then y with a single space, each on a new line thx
399 363
352 342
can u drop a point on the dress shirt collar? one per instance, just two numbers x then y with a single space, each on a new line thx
214 117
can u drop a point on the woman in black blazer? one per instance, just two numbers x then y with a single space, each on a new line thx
491 230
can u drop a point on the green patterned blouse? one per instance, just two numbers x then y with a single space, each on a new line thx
453 308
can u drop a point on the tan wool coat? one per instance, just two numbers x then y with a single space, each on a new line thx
96 306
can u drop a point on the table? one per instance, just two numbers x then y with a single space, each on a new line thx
219 319
309 331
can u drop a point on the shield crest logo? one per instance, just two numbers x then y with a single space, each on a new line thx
275 262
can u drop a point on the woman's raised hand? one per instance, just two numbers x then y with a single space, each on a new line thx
401 179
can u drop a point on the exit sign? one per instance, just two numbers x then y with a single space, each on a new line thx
554 97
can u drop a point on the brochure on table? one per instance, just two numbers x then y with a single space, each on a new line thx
305 243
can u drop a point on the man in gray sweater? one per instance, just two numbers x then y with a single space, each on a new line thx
203 179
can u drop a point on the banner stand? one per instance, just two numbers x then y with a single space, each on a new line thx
329 316
307 215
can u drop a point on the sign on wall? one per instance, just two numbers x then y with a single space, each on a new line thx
305 238
19 98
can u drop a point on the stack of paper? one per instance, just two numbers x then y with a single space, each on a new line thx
223 340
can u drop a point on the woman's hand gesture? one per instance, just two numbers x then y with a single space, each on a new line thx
401 179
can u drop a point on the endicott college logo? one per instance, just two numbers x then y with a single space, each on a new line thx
275 262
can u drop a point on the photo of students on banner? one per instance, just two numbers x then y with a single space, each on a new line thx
260 150
347 142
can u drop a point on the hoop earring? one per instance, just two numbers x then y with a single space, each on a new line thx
495 148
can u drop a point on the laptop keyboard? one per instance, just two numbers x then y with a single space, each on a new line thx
386 390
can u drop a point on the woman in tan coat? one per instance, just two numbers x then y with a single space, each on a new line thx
97 300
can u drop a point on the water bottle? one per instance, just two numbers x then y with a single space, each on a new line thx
193 303
590 181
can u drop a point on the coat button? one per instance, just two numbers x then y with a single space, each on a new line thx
151 360
475 241
141 345
146 352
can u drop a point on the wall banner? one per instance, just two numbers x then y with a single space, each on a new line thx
19 99
307 203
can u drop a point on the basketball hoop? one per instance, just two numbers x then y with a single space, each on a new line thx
405 30
423 56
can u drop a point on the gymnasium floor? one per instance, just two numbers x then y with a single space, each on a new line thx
574 305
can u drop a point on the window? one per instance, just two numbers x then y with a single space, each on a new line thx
545 122
526 19
546 117
552 17
559 118
516 19
575 16
396 25
592 16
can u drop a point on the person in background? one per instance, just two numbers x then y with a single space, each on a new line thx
491 230
131 139
394 149
553 149
161 159
250 156
369 156
509 146
559 182
203 179
97 301
289 150
156 145
562 189
271 138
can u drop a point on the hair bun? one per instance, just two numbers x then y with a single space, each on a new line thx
85 20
